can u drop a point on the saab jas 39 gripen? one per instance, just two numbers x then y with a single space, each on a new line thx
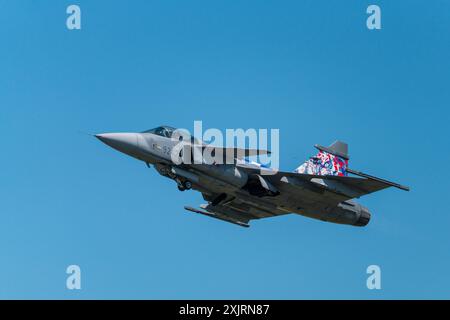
240 190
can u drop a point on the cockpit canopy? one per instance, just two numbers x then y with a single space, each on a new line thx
163 131
167 132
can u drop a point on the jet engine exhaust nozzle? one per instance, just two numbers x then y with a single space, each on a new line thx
363 219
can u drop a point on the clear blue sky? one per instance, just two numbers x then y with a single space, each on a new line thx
310 68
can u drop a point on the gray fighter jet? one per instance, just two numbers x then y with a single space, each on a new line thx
238 192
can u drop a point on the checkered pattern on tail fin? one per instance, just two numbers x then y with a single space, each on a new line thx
332 160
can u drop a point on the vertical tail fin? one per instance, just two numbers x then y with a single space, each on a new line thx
332 160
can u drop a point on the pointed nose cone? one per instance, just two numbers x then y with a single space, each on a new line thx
123 142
